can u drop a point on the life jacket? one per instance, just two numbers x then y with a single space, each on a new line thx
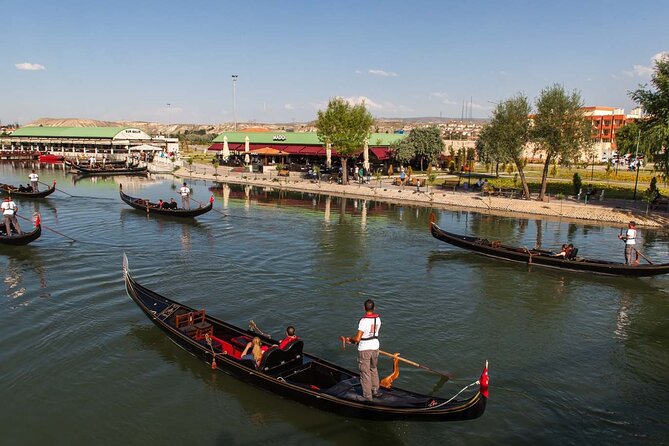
375 329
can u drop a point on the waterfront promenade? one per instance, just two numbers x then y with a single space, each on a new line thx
609 212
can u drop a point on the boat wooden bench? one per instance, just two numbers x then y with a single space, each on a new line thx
193 324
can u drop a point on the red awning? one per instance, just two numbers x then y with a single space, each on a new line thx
216 146
381 153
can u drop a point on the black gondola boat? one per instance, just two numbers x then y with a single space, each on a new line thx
22 239
109 170
153 208
545 258
8 189
293 374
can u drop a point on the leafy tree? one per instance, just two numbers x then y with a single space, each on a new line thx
403 151
425 143
627 137
560 128
504 138
655 102
346 127
577 183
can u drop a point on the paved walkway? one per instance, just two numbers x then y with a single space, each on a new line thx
607 212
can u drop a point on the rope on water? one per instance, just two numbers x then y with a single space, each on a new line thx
477 382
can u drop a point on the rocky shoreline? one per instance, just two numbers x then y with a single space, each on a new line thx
608 212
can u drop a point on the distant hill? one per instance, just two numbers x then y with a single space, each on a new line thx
382 125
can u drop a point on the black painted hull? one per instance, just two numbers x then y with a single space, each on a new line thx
153 209
109 170
6 189
23 239
543 258
153 305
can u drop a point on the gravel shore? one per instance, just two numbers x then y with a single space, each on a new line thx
607 212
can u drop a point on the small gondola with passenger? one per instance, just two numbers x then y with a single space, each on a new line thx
26 192
164 208
546 258
290 372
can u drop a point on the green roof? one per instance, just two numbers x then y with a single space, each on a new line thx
305 139
68 132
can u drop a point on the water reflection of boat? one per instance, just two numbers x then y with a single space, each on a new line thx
290 372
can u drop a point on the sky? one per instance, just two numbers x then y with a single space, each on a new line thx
173 61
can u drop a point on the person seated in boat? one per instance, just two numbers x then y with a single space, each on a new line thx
290 337
173 204
571 252
23 189
562 253
160 204
257 351
163 204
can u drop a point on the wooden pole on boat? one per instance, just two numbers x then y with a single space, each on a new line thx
203 205
54 186
446 376
46 227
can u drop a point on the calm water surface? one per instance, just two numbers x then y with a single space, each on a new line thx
574 358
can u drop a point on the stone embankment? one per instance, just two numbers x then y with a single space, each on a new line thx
609 212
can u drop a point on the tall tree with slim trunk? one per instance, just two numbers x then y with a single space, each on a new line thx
560 128
655 126
427 144
346 127
505 137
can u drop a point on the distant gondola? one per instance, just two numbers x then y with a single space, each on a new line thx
545 258
152 208
8 189
109 170
22 239
291 373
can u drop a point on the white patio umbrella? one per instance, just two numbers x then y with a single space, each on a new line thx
226 149
246 144
247 158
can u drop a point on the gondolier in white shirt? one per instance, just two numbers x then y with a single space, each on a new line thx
9 210
34 180
367 339
631 257
185 196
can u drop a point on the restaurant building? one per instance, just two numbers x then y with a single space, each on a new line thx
85 140
298 147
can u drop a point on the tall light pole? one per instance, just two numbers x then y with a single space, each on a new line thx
234 99
636 162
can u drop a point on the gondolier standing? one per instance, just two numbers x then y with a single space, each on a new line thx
630 244
185 196
34 180
367 339
9 210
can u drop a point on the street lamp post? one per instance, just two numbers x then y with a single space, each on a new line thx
234 99
636 161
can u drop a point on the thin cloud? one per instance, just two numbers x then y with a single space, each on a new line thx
382 73
288 107
27 66
644 70
384 106
443 97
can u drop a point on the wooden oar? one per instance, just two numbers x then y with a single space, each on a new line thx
406 361
203 205
46 227
647 259
59 190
